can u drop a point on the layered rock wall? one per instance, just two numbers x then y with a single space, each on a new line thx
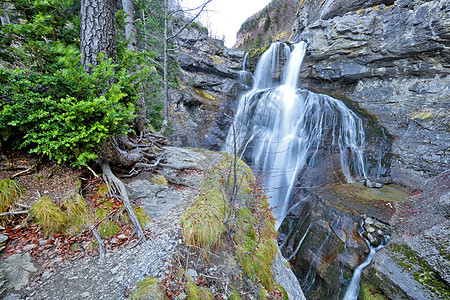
393 60
201 108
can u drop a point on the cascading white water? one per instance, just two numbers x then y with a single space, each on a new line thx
286 133
352 292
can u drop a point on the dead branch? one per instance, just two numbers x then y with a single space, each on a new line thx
93 172
13 213
27 170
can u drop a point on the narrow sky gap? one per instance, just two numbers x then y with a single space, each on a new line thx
225 17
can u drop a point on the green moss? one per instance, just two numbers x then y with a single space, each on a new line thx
103 190
195 292
411 262
204 95
147 288
262 294
217 59
234 295
159 179
106 228
370 292
48 216
142 216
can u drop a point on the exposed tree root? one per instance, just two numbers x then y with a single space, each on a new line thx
117 187
101 245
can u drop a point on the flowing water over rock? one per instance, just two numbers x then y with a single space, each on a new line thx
291 135
374 245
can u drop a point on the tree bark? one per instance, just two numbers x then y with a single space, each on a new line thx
166 66
130 26
98 31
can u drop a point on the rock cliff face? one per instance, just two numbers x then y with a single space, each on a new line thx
393 60
201 108
274 22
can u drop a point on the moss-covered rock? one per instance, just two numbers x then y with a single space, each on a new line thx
160 179
147 289
195 292
77 215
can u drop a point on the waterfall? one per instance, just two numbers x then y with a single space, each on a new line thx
292 136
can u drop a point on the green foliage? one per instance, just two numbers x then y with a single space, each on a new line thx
10 191
267 24
40 24
48 216
66 114
52 106
250 219
147 288
199 27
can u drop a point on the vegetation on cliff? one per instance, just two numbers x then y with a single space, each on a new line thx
232 209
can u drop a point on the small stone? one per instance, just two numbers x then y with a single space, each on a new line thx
28 247
371 239
115 270
192 273
368 221
85 295
47 274
370 229
119 279
377 185
182 296
122 236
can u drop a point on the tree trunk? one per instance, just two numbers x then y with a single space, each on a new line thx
5 18
130 26
98 31
98 35
166 66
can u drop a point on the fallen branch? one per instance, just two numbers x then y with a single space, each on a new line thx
93 172
27 170
13 213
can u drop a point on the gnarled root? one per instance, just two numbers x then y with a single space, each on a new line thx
118 188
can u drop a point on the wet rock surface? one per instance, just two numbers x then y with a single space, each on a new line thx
375 231
321 235
202 106
392 59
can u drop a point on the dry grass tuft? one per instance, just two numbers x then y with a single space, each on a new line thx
48 216
10 191
77 215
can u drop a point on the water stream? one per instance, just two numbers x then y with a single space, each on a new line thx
292 136
352 292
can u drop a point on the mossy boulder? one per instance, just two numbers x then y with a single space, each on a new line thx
147 289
